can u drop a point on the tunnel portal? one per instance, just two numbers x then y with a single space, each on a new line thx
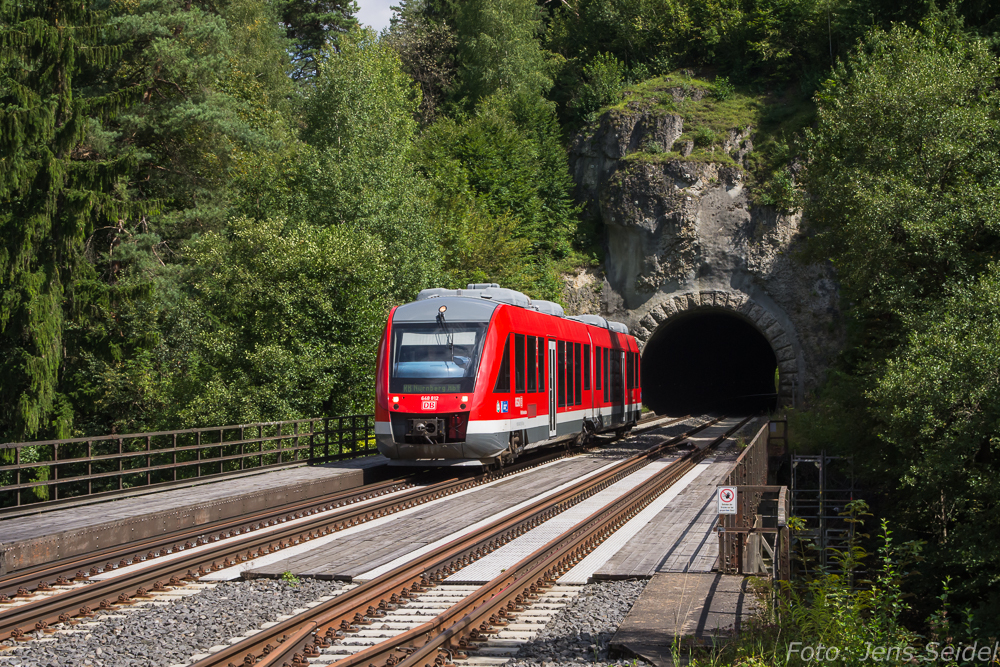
708 362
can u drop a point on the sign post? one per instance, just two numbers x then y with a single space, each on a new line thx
727 499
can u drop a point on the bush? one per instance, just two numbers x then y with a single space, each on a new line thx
605 78
722 90
704 136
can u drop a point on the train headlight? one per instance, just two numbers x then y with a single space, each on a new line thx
465 399
442 309
395 399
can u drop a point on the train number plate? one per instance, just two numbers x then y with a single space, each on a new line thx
428 405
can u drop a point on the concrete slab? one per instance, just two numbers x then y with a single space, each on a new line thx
682 609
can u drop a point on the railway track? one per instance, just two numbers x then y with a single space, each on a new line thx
461 628
184 556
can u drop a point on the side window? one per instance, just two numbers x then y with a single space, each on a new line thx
586 368
577 376
607 385
503 377
597 367
561 361
542 356
569 373
519 363
532 363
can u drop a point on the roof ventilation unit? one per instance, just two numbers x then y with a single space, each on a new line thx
618 327
548 307
508 296
434 292
482 286
594 320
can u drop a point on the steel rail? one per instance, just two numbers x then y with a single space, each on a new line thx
456 630
78 568
82 567
345 613
17 622
479 614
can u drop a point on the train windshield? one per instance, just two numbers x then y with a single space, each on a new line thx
435 358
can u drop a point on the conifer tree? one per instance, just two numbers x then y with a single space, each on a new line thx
309 25
55 189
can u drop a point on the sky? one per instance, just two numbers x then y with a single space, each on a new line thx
375 13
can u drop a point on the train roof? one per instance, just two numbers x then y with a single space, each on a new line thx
486 297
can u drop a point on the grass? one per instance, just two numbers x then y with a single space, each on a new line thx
777 118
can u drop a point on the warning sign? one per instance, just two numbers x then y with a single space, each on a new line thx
727 499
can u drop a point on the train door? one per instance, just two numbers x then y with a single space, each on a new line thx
552 389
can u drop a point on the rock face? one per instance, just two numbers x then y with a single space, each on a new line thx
684 235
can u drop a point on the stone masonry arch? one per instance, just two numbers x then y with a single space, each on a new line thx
781 336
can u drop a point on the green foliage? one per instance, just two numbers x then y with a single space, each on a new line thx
498 49
902 155
903 167
604 81
427 49
722 90
294 315
705 136
310 25
289 578
508 160
54 193
937 405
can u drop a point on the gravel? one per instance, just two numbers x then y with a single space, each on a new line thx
157 636
580 633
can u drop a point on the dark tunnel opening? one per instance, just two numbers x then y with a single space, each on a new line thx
708 362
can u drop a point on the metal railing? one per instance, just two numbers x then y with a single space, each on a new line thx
742 542
54 470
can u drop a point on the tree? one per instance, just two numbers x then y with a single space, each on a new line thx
903 171
56 188
901 166
312 24
426 49
360 127
498 48
293 318
937 407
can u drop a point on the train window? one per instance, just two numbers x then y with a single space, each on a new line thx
561 354
607 375
503 377
597 367
532 365
586 368
569 374
433 359
542 356
576 374
519 363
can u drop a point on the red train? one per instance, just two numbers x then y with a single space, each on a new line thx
477 376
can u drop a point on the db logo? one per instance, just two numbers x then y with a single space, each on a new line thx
428 405
519 401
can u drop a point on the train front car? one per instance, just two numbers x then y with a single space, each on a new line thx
428 376
470 377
